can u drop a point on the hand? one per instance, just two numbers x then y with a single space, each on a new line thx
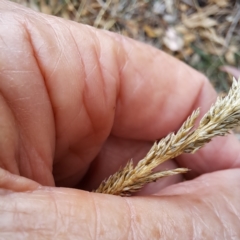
77 103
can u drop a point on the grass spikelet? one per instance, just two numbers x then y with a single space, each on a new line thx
218 121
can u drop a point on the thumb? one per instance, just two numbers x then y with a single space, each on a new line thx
206 207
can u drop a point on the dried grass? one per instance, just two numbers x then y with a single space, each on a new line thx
222 117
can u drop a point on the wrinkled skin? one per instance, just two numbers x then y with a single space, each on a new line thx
76 103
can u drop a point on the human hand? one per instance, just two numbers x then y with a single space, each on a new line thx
76 104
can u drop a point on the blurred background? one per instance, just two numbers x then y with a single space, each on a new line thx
203 33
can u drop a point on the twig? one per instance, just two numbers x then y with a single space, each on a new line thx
101 13
232 27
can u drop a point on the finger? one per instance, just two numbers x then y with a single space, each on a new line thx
16 183
100 83
222 153
210 209
27 123
69 90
